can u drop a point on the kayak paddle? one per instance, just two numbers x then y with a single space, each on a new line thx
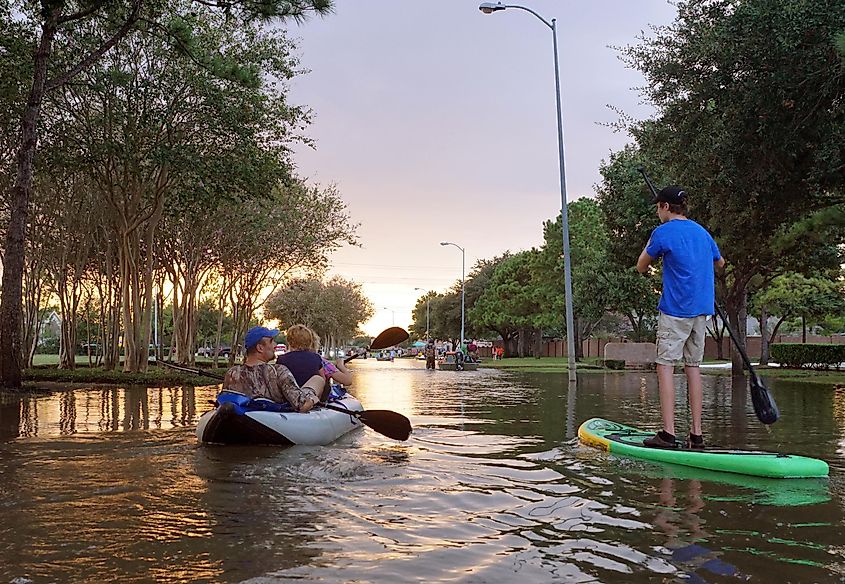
389 423
386 422
387 338
761 398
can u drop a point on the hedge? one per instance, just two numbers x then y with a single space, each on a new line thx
808 355
154 377
614 363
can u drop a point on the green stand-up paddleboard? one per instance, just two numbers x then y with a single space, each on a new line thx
627 441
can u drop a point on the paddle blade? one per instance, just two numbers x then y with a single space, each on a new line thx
391 424
764 404
389 337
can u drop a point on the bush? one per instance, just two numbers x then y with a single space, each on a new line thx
614 363
154 377
808 355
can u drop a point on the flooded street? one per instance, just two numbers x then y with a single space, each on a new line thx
110 485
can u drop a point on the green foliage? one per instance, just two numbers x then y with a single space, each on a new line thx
613 363
807 355
794 294
332 309
513 297
751 120
154 377
445 309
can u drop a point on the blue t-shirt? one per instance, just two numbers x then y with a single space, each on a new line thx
303 364
688 253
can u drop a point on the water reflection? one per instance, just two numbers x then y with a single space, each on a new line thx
98 410
109 484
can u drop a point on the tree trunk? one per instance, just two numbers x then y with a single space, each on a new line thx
738 315
538 343
520 346
15 245
33 289
579 337
803 329
764 336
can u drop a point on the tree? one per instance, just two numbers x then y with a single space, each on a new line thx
334 309
108 24
316 215
790 295
750 118
629 217
512 303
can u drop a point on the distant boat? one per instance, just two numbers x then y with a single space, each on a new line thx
450 363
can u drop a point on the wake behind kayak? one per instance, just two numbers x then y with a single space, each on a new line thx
627 441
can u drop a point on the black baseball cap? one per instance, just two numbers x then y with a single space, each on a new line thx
673 194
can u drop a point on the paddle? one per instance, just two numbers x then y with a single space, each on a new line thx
389 423
387 338
761 398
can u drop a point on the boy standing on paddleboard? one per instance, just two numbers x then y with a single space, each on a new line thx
689 255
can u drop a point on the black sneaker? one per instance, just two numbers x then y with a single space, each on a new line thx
695 441
661 440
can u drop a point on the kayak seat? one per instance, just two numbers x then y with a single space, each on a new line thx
242 403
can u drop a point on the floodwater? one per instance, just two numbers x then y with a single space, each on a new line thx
109 485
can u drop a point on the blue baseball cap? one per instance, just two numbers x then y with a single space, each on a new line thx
256 333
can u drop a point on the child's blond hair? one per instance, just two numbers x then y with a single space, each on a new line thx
302 338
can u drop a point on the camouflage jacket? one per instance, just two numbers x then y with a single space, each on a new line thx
269 381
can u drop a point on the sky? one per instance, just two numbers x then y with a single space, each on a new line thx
438 123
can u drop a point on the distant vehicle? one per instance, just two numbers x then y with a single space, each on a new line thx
85 347
224 351
281 349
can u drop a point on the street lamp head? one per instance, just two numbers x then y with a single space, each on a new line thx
491 7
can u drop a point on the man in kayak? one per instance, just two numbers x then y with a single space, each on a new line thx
258 378
689 255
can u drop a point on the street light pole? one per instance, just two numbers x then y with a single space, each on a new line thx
463 271
427 314
392 315
489 8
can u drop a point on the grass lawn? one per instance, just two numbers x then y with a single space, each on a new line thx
54 360
806 375
542 365
559 364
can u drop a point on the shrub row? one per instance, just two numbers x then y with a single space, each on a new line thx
154 377
808 355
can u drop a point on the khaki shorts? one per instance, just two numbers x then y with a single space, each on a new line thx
679 338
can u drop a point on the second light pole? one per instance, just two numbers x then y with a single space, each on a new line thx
490 8
463 270
427 314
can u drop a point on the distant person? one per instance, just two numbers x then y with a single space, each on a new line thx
256 378
472 352
500 353
430 355
689 256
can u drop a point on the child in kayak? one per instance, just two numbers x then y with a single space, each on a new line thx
303 360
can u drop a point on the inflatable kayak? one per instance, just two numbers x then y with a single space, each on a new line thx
627 441
238 419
